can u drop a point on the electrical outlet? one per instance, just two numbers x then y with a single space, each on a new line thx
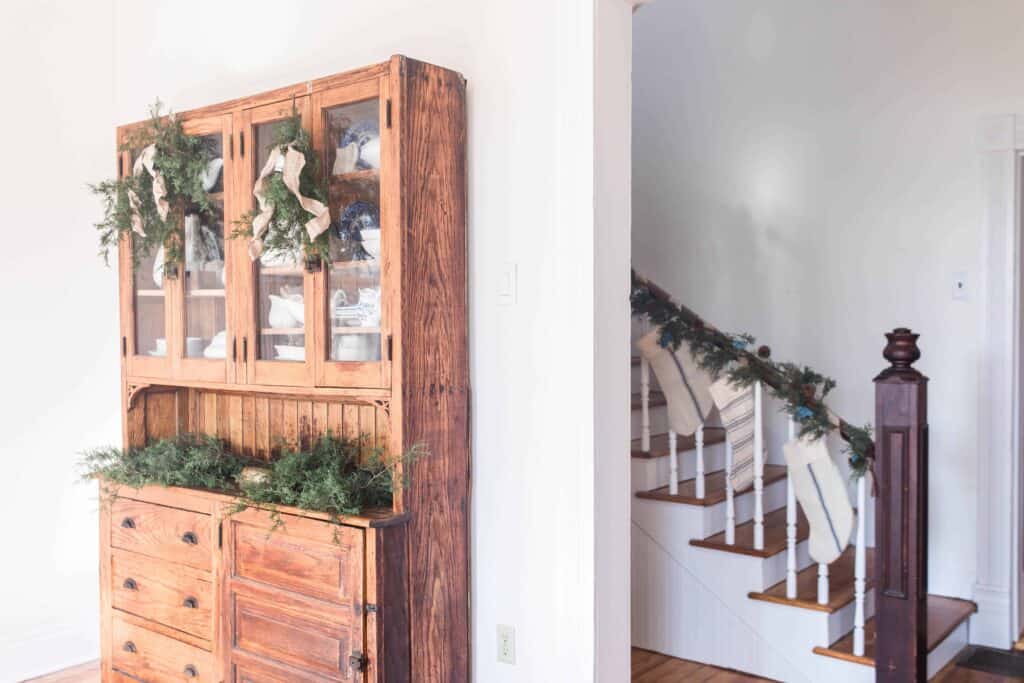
506 644
508 284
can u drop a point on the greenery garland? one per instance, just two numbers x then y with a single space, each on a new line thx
801 389
336 475
286 233
182 161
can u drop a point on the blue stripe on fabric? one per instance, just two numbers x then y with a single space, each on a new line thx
828 517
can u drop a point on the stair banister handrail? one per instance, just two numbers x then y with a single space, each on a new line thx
770 377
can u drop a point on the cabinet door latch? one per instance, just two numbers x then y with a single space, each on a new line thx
357 660
390 347
370 608
387 113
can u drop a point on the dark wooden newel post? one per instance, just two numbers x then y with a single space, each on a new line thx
901 513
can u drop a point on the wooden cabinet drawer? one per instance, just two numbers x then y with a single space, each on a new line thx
174 595
308 557
166 533
155 658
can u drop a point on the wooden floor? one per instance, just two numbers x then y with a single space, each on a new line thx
651 667
648 667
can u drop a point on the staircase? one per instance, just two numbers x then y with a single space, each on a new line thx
703 592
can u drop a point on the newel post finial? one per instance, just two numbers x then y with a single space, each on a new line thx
901 352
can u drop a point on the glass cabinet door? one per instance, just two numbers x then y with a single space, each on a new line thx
281 291
350 131
145 306
203 324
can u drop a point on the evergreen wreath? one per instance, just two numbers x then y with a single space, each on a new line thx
181 160
286 233
801 389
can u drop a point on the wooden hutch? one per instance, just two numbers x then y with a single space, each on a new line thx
260 352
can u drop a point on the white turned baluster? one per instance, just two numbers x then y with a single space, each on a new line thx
699 437
790 528
822 583
645 405
730 503
758 469
673 464
859 572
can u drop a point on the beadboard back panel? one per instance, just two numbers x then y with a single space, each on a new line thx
252 424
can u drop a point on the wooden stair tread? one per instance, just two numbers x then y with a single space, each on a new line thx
714 488
841 584
656 400
944 615
659 443
774 536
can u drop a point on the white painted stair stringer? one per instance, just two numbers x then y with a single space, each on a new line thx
692 603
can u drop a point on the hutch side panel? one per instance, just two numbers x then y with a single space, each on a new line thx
434 377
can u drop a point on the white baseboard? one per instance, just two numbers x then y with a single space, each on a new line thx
44 653
991 624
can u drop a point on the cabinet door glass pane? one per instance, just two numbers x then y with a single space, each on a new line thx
150 339
354 286
205 279
279 284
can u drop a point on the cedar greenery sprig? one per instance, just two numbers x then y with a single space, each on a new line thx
182 160
336 475
286 233
801 390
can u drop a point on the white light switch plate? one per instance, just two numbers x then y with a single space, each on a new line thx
506 644
960 290
507 284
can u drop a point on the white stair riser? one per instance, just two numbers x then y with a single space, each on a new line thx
949 648
650 473
841 621
659 421
667 519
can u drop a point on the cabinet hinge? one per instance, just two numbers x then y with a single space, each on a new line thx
357 660
387 113
234 349
120 166
220 535
231 147
390 345
124 346
370 608
245 349
241 144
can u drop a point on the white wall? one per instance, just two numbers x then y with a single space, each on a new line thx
530 71
808 172
58 347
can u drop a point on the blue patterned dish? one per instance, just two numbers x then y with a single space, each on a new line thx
358 216
366 135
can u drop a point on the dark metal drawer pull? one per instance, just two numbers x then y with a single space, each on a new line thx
191 671
129 646
190 538
190 603
131 585
127 523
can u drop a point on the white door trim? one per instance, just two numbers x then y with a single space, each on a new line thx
997 623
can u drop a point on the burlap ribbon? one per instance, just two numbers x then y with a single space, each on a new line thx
293 163
144 162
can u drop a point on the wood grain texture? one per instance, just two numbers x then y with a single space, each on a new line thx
168 534
774 536
840 582
387 627
174 595
714 491
654 667
433 357
943 616
155 658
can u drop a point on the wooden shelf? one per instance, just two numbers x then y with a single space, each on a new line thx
205 293
281 331
216 196
355 265
297 271
355 176
149 292
355 330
